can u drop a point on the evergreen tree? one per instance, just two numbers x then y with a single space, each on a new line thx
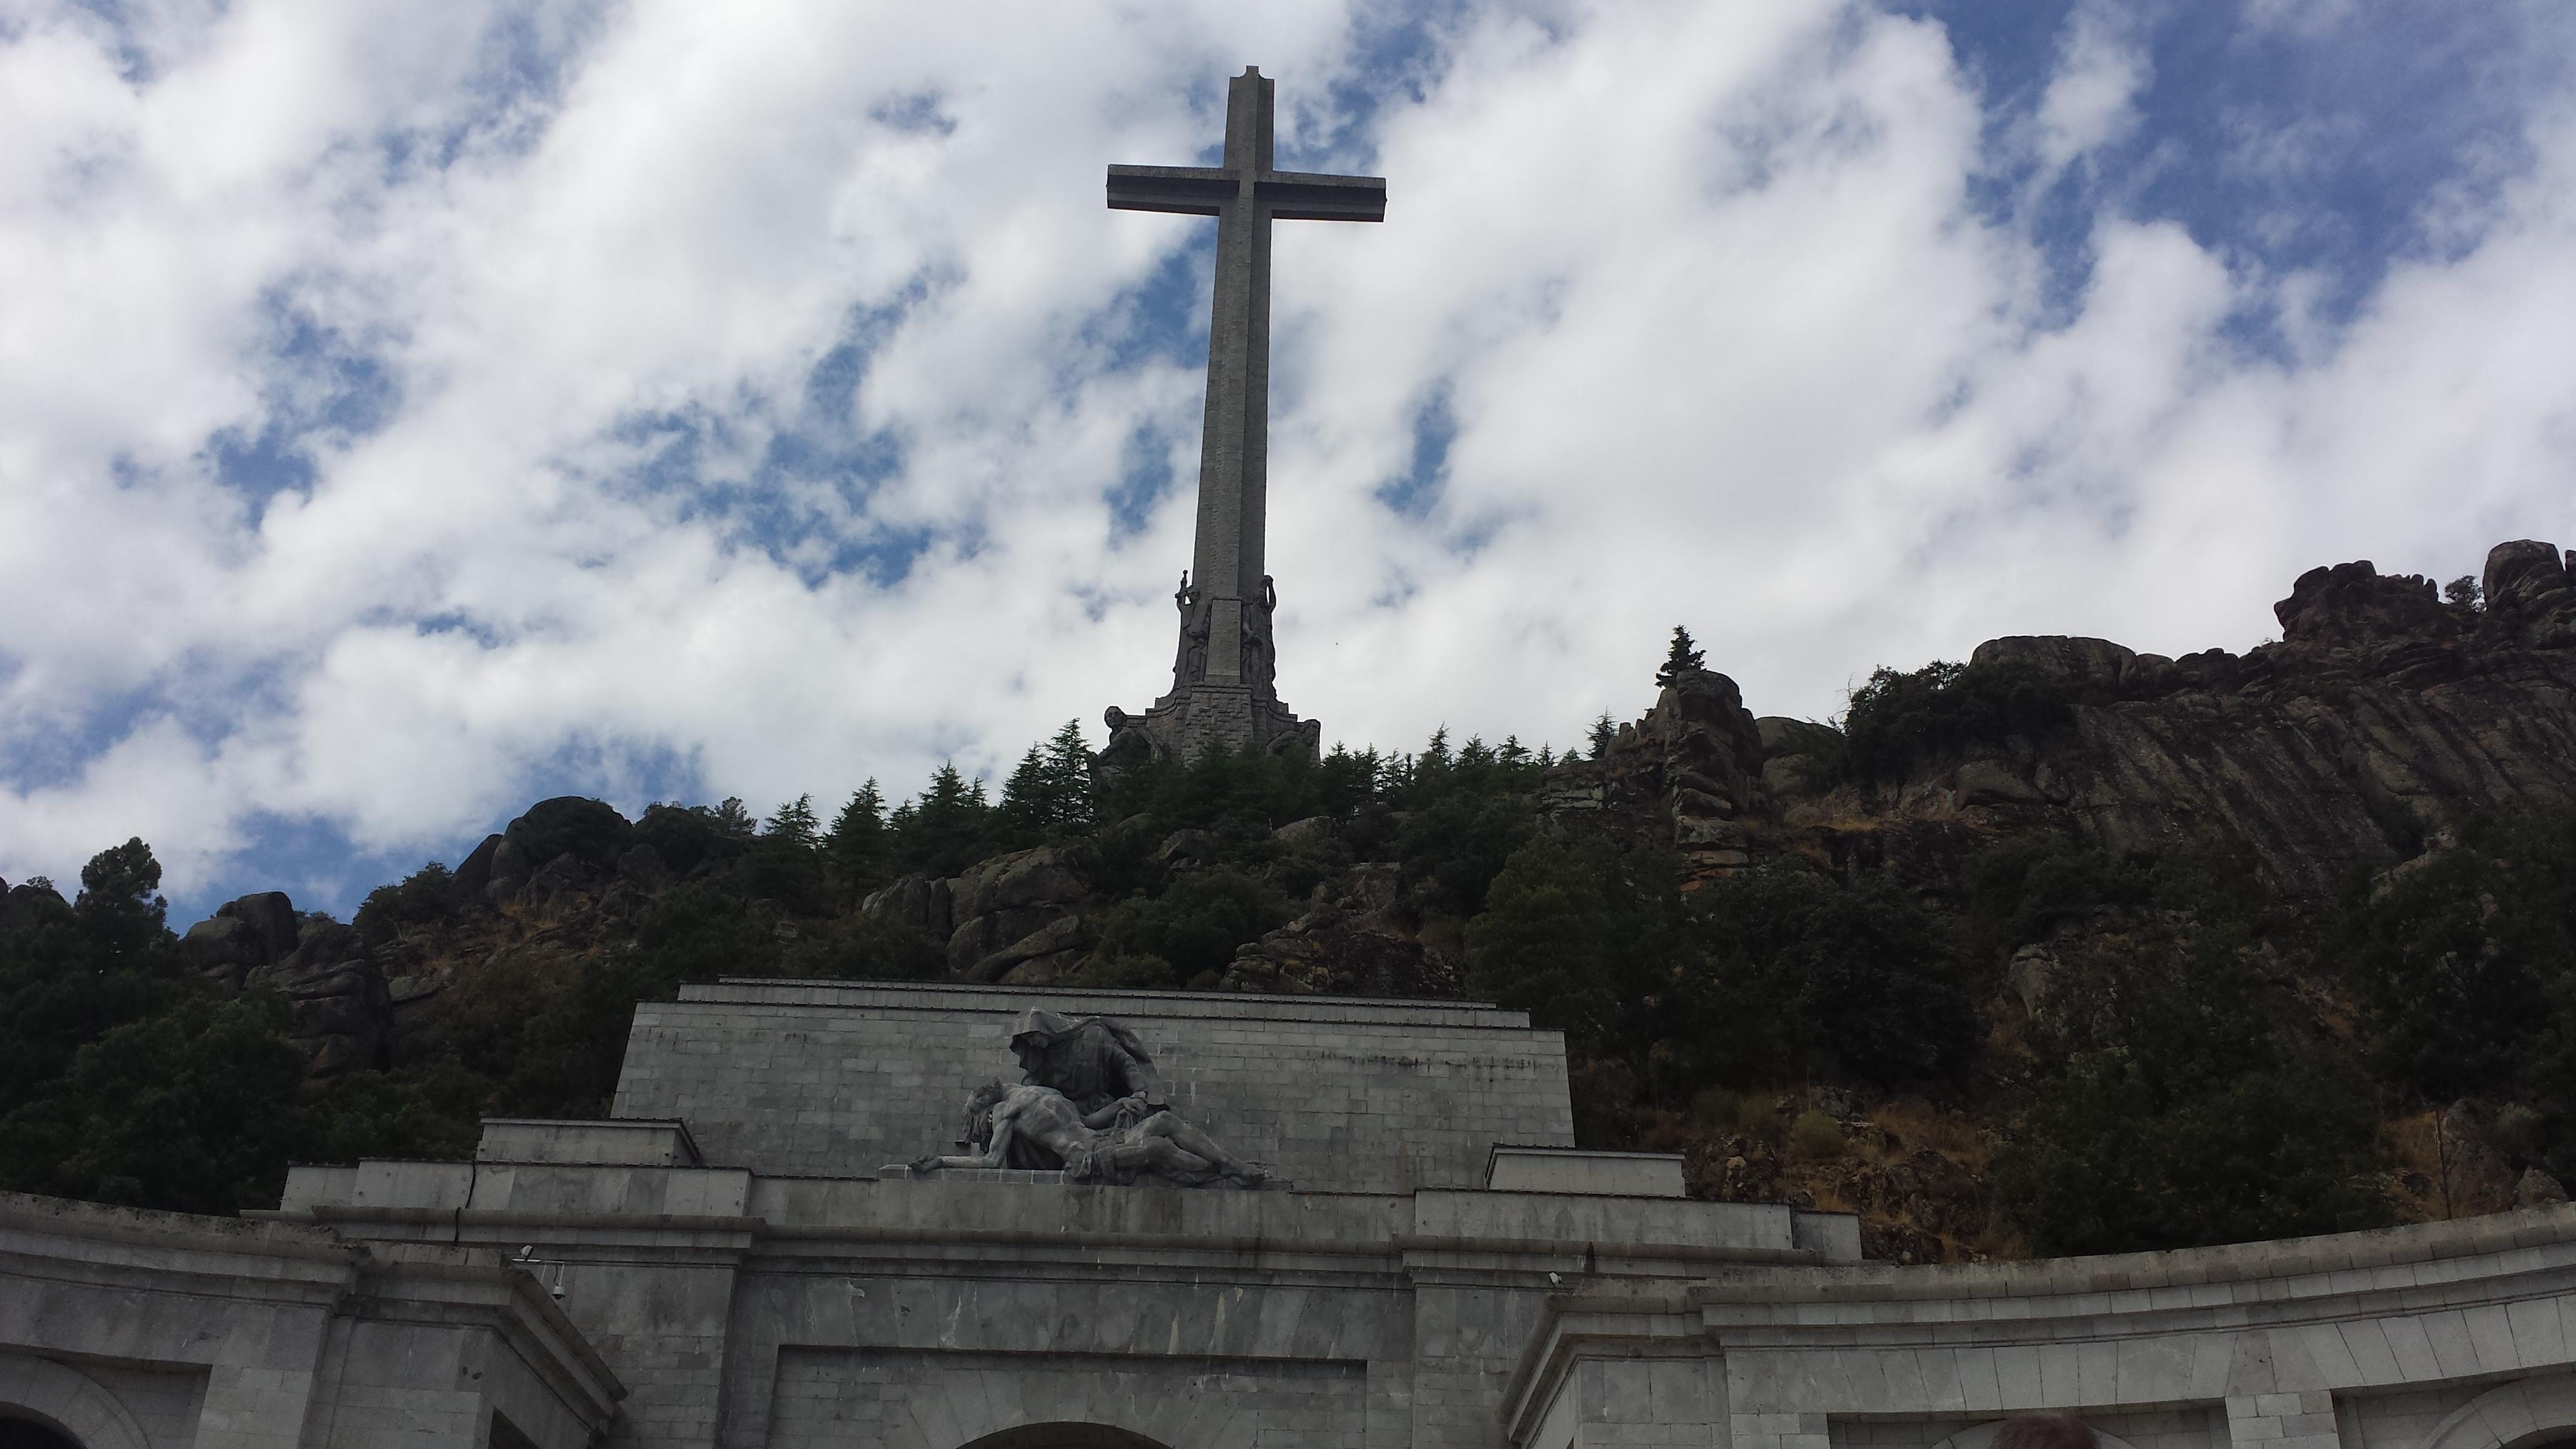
1049 793
794 824
858 836
946 828
119 900
1681 659
1068 778
1603 732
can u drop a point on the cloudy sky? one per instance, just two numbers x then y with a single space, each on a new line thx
409 411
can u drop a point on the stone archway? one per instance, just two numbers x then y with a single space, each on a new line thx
2521 1415
1983 1436
66 1401
1064 1436
17 1433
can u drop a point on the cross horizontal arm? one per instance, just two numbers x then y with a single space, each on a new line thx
1305 196
1188 190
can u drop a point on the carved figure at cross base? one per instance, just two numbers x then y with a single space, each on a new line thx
1225 667
1124 1143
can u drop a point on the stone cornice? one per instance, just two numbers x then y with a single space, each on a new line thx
77 1242
2492 1263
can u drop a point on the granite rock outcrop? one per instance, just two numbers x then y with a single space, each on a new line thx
2383 714
1692 767
242 935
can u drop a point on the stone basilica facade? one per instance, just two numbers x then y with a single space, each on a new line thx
758 1249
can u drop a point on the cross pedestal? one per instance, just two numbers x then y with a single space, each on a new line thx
1223 670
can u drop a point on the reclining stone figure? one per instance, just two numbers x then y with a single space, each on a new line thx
1123 1142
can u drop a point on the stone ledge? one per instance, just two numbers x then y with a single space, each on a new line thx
1028 1177
1035 1177
963 996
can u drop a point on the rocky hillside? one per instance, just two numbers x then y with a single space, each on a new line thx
2381 716
2063 947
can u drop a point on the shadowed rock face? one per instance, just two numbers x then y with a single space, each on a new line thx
566 841
1695 760
243 935
2383 713
338 996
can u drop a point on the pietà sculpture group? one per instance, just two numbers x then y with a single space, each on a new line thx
1086 1107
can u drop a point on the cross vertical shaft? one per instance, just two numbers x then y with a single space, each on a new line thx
1223 681
1234 447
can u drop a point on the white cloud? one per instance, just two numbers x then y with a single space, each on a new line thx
1723 338
2091 100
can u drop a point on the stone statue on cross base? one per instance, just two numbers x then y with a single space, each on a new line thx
1224 689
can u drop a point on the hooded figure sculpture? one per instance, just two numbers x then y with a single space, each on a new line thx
1092 1060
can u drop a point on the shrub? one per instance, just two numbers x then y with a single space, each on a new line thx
2172 1105
1900 720
1799 973
2466 960
1743 1114
1462 842
688 836
2019 887
1815 1137
428 897
193 1109
1582 935
1195 925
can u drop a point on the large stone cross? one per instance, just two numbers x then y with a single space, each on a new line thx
1222 674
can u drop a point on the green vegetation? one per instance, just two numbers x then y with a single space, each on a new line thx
1683 657
2177 1101
1815 1136
126 1078
1898 720
2465 963
1764 977
1185 935
2190 1060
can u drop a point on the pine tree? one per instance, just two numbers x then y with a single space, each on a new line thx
1023 815
1682 659
794 824
1436 753
1068 779
1603 732
1048 795
947 827
858 837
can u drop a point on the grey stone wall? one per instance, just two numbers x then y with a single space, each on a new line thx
143 1330
940 1400
164 1402
2445 1336
828 1079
